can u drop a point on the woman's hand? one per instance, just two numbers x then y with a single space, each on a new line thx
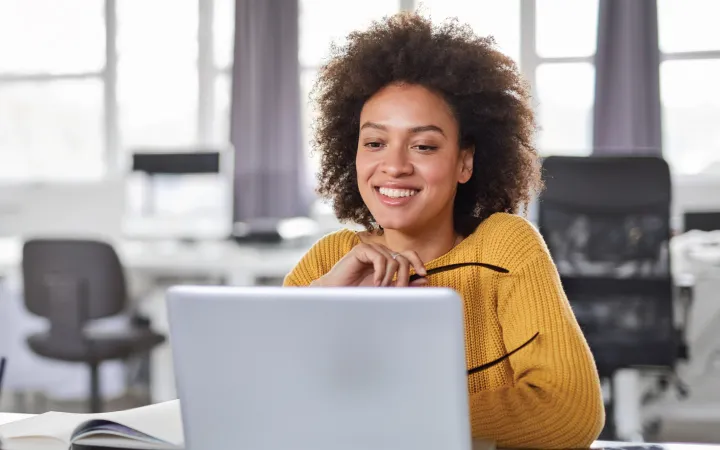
373 265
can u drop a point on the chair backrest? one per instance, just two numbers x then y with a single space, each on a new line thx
606 221
72 280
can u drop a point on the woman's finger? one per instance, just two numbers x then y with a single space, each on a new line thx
391 265
391 268
369 254
403 272
416 262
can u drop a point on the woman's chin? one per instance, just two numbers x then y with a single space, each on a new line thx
398 223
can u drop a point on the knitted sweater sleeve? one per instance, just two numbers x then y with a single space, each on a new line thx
321 257
555 400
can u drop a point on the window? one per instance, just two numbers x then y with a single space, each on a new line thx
85 82
51 129
157 74
565 92
688 26
89 85
554 27
51 89
562 72
690 94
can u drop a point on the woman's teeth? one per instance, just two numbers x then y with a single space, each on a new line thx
396 193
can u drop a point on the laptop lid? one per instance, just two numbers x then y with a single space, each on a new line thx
320 368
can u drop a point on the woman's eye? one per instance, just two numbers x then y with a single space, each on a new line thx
374 145
426 148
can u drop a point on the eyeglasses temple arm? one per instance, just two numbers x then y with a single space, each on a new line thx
502 358
434 270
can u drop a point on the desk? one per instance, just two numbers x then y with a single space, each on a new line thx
10 417
226 260
653 446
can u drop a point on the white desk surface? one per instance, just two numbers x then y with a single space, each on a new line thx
233 262
12 417
209 258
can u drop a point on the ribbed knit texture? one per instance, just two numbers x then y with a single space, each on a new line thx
548 394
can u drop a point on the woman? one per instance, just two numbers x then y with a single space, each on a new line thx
425 136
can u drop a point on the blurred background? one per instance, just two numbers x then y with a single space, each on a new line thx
146 144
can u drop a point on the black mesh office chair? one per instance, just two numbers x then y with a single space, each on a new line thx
606 221
71 282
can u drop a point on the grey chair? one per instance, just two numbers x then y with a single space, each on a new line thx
72 282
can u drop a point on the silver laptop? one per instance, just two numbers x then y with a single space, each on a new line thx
270 368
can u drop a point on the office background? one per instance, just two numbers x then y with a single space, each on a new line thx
89 86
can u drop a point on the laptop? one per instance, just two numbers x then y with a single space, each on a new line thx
270 368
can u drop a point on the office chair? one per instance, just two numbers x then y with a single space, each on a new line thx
606 221
72 282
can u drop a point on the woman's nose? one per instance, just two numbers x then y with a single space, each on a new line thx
396 162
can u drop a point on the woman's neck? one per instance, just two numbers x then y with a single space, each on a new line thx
429 244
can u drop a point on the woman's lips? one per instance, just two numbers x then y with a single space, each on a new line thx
395 196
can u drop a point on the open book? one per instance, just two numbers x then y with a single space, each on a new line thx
153 427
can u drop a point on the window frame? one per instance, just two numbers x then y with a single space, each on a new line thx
115 156
530 60
695 55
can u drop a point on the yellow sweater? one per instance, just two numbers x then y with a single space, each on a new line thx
548 394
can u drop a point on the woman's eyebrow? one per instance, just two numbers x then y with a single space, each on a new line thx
413 130
424 128
374 125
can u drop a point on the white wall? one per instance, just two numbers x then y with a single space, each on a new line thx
62 209
100 210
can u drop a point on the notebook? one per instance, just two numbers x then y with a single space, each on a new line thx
154 427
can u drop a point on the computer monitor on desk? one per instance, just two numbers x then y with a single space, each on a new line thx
322 369
696 202
180 194
702 220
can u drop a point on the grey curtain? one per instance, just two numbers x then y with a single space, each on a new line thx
627 115
265 112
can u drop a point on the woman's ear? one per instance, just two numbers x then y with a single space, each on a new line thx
466 160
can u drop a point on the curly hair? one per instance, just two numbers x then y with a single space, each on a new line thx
482 86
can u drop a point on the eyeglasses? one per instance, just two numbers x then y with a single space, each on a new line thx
487 266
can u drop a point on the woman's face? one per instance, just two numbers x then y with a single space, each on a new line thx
408 159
